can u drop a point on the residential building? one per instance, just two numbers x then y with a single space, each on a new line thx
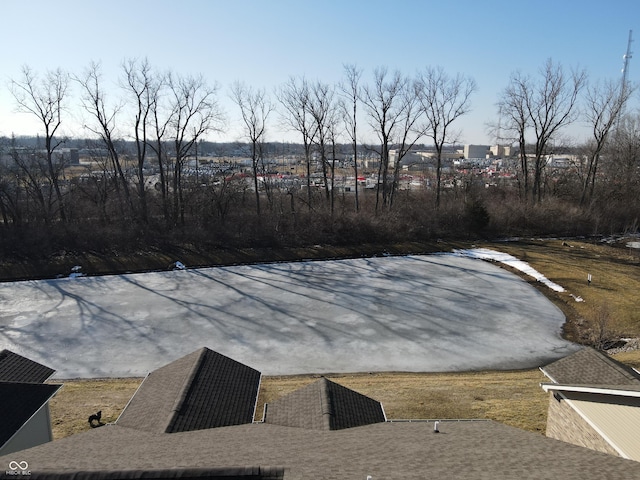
24 403
594 402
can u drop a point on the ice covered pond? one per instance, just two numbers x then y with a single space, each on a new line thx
408 313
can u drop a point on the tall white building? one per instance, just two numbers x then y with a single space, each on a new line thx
476 151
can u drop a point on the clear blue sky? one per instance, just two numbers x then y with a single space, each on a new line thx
264 42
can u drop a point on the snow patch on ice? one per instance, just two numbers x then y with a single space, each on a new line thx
510 260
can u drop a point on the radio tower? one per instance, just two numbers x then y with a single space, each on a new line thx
625 81
625 68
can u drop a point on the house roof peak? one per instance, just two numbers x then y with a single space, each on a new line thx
203 389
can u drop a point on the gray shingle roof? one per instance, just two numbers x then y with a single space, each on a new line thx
324 405
16 368
19 402
590 367
463 450
201 390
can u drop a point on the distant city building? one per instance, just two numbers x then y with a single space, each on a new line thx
70 156
501 150
446 155
74 156
562 161
476 151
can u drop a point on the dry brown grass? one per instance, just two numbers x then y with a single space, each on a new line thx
77 399
630 358
511 397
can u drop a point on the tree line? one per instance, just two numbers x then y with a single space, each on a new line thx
140 189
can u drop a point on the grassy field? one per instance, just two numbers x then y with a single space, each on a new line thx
512 397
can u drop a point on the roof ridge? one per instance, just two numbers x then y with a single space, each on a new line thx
621 367
613 364
132 397
326 403
184 389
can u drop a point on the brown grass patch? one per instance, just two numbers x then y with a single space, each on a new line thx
77 399
511 397
630 358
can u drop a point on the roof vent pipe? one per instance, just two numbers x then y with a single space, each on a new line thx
435 427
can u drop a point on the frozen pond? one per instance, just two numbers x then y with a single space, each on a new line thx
413 313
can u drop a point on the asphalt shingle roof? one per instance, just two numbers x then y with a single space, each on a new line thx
478 450
19 402
16 368
324 405
590 367
201 390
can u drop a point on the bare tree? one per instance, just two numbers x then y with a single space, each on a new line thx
350 91
623 166
45 100
604 103
384 105
600 333
323 112
513 123
143 87
444 99
551 105
97 186
30 173
104 126
224 192
255 108
294 96
194 113
10 187
332 136
159 126
409 131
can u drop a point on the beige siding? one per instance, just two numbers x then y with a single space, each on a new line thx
564 423
617 418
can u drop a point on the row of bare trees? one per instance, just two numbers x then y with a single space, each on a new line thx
400 110
533 110
165 116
